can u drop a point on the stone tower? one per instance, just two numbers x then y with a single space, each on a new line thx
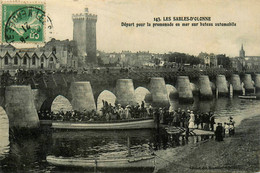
84 33
242 52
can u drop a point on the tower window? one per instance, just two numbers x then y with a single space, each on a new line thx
51 59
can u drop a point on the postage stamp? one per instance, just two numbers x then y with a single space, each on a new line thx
23 23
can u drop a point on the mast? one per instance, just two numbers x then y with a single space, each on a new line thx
128 146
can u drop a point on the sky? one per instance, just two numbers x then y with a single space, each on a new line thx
111 36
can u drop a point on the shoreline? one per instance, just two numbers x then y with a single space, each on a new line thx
239 153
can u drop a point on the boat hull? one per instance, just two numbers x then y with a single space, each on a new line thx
145 162
128 125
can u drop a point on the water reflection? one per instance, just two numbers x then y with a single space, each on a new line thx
4 133
98 143
26 154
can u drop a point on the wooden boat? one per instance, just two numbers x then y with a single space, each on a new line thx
114 125
248 97
142 162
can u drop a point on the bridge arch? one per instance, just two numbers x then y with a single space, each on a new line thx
213 86
45 96
4 131
47 104
105 95
194 88
143 94
61 103
171 91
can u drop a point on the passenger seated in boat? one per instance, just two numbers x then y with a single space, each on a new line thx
150 110
109 112
120 111
108 118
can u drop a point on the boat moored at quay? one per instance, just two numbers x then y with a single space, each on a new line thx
126 163
133 124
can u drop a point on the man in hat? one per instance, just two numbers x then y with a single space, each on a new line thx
219 132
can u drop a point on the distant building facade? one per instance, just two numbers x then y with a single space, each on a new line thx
209 59
56 53
53 55
243 62
126 58
65 51
11 58
84 33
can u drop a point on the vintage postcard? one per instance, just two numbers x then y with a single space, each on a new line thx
118 86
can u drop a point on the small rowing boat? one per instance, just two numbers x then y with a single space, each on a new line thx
142 162
248 97
114 125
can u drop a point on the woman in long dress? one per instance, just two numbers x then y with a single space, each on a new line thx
191 120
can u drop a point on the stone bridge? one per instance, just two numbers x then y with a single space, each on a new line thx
83 90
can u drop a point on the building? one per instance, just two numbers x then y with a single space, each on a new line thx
243 62
84 33
57 53
12 58
237 63
65 51
242 53
209 59
126 58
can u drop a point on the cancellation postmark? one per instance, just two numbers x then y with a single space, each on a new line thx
23 23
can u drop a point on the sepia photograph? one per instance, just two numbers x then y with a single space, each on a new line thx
129 86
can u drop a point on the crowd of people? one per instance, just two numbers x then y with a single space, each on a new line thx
108 113
179 118
72 115
187 119
224 131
